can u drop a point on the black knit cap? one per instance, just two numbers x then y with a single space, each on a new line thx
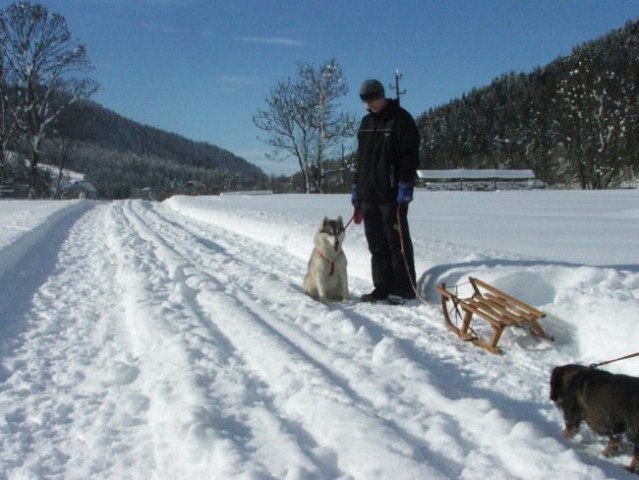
371 90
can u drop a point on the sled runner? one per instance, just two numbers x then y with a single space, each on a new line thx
499 309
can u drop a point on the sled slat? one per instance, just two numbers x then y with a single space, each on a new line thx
492 305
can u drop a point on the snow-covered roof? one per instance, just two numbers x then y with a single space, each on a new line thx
478 174
84 184
55 170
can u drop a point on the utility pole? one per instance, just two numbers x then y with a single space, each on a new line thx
398 77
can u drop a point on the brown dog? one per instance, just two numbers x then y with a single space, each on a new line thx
607 402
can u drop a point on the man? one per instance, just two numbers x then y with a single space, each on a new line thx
386 168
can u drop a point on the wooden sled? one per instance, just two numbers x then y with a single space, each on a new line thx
499 309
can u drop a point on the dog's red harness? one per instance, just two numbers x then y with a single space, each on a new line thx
321 255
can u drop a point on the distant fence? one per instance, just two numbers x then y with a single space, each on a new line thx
14 190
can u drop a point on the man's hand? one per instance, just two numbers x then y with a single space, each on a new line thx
355 195
404 193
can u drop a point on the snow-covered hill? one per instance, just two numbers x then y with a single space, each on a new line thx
172 340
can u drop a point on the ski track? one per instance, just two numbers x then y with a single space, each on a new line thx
74 343
189 349
299 378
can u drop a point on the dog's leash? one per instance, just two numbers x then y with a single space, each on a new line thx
356 214
408 271
595 365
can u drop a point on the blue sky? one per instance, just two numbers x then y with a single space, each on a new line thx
203 68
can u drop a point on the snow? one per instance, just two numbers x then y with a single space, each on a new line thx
172 340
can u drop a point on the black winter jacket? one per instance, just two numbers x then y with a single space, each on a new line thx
387 153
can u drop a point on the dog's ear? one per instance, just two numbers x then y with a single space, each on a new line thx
324 222
340 222
560 379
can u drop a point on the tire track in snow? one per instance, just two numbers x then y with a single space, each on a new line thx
199 387
256 327
390 367
67 386
307 372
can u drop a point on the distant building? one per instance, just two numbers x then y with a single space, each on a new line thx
79 189
479 179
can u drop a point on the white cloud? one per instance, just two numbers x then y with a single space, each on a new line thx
273 41
129 3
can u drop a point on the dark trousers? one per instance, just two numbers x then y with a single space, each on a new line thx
382 226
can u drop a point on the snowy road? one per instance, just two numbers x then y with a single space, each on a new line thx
196 310
143 343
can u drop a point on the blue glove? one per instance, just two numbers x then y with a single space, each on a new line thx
404 193
355 196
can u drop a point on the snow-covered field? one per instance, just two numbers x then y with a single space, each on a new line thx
173 341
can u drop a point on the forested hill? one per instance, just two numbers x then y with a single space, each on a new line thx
121 156
574 121
110 130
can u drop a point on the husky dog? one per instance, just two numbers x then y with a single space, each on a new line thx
326 277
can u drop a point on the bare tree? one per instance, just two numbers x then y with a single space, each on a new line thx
41 60
7 121
289 134
64 149
303 121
